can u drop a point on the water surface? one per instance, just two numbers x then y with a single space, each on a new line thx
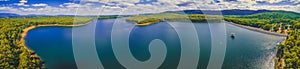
248 50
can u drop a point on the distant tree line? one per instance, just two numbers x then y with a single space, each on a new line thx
171 17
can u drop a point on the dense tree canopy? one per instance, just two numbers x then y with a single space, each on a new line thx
172 17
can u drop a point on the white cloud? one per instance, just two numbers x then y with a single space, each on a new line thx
130 7
72 5
273 1
4 8
22 4
39 5
90 0
23 1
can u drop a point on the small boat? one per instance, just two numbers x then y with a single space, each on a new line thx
278 43
232 35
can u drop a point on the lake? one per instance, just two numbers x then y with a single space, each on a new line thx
248 50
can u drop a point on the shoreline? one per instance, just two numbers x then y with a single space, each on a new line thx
258 30
145 24
235 24
26 30
276 60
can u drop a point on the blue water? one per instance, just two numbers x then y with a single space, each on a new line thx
248 50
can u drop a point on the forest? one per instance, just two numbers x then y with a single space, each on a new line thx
171 17
13 52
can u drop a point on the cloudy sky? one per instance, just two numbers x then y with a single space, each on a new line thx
115 7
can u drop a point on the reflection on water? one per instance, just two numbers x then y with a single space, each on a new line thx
249 49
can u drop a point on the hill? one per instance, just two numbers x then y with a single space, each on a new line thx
276 15
8 15
224 12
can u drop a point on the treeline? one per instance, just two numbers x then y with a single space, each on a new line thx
172 17
13 53
109 17
140 19
288 53
273 21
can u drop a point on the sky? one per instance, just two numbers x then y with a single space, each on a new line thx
130 7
